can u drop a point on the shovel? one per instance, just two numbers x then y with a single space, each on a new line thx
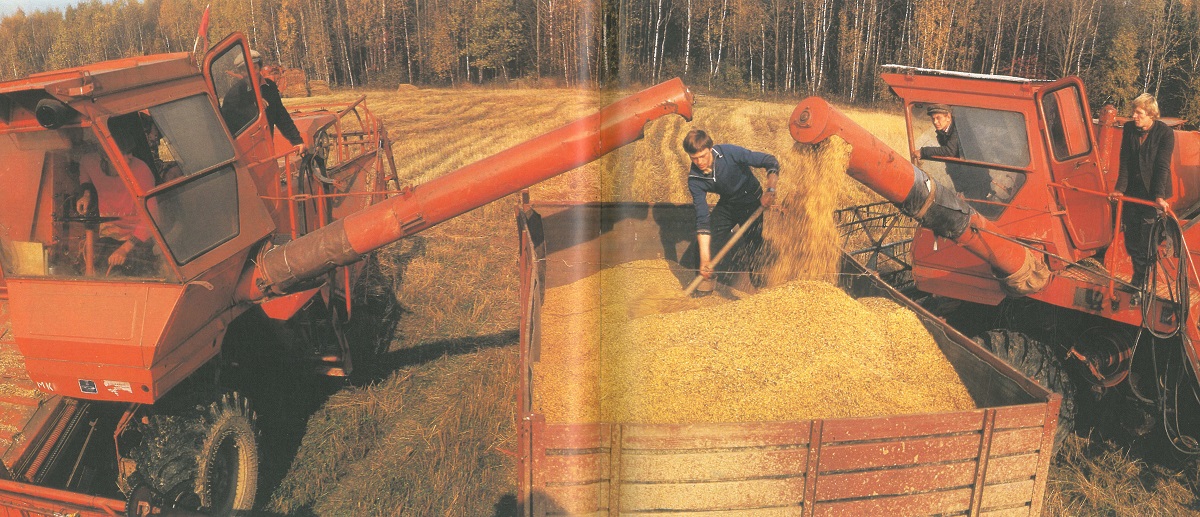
725 249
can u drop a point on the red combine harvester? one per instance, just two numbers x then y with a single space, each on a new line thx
1019 245
113 367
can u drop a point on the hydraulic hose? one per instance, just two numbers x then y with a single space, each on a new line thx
1166 229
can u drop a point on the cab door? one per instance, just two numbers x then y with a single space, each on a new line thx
235 86
1074 162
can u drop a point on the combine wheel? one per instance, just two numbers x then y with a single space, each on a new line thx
204 457
1040 363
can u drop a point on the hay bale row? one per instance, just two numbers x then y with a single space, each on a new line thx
319 87
294 83
798 351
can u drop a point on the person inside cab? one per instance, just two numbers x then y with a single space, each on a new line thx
970 181
123 242
947 134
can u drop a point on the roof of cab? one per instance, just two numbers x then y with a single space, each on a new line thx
111 75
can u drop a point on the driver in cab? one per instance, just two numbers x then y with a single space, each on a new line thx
123 242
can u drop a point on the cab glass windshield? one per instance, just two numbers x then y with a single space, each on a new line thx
69 209
972 152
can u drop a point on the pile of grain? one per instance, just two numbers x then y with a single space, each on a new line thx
798 351
576 317
801 237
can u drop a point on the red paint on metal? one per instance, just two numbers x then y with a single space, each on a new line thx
53 437
285 307
23 499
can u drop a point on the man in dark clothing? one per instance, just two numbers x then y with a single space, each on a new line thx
239 107
947 134
1145 173
725 170
971 181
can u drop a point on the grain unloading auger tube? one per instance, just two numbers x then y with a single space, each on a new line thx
283 268
889 174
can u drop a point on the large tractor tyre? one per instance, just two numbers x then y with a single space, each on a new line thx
203 457
1034 359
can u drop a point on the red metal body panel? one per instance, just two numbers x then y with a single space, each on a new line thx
992 459
75 331
1085 216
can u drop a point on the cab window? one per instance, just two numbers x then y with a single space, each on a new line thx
231 82
200 210
1066 123
74 214
988 143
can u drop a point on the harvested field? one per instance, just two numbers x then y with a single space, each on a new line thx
799 351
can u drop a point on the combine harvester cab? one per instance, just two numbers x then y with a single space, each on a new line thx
147 220
1020 226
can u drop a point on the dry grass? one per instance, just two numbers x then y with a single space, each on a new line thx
1095 477
432 435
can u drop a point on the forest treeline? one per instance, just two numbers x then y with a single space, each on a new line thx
828 47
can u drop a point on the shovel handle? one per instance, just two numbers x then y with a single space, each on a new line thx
725 249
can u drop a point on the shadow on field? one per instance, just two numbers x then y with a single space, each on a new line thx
387 363
277 375
283 401
507 507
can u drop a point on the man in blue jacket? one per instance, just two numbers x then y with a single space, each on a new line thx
725 170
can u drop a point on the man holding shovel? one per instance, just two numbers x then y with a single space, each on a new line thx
725 170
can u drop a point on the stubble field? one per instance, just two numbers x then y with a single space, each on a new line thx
432 431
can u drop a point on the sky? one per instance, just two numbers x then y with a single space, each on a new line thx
8 7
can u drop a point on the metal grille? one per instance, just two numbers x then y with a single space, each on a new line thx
880 238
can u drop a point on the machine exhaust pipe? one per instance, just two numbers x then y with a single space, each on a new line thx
281 269
892 176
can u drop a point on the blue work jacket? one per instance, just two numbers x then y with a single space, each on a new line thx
730 176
